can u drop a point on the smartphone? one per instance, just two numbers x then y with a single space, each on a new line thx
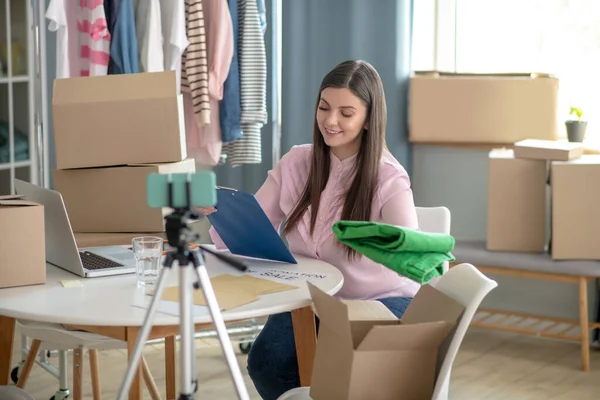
203 192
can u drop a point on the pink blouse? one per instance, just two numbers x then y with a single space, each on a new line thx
204 143
392 204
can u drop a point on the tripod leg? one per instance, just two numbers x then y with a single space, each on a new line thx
217 317
144 333
185 328
194 370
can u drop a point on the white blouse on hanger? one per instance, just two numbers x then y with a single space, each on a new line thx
174 35
63 21
148 26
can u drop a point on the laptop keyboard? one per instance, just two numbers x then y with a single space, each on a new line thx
93 261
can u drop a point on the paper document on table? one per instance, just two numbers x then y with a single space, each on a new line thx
231 290
168 307
289 276
71 283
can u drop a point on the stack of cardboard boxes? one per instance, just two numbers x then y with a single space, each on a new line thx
544 196
110 133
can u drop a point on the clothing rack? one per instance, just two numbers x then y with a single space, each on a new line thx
40 85
23 98
40 92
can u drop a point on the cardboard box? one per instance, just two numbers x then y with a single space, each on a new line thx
117 120
575 209
84 240
365 352
479 108
22 242
113 199
551 150
517 203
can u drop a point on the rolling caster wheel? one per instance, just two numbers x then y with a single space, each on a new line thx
14 375
61 395
245 347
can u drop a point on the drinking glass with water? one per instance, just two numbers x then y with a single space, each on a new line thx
147 251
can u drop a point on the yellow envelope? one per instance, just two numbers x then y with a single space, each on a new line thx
231 290
227 299
259 286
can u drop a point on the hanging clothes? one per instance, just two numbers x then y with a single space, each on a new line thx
148 24
194 70
230 108
110 11
253 82
204 143
124 55
174 37
262 13
63 21
94 38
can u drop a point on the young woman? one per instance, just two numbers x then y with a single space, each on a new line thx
346 174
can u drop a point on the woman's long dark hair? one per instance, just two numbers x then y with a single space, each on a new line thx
364 81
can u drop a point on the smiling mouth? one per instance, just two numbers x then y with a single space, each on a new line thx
331 132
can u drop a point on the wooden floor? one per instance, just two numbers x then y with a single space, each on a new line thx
490 365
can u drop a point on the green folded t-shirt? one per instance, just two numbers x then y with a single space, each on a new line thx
417 255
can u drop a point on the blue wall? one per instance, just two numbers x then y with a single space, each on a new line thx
318 34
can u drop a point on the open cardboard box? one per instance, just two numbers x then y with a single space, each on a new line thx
22 242
365 352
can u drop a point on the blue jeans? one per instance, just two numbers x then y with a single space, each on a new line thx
272 362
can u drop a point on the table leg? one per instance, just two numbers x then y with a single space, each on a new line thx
170 366
584 319
135 392
305 336
7 336
77 373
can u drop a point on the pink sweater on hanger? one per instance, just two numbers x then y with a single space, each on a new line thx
204 143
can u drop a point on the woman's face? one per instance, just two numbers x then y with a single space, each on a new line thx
341 117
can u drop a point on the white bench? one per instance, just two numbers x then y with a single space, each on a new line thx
534 266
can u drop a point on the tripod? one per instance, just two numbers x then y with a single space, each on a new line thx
178 237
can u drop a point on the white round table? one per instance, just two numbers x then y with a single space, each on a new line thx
111 306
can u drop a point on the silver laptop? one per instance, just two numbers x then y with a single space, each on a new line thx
61 248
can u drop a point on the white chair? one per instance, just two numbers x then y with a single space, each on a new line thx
47 336
468 286
435 220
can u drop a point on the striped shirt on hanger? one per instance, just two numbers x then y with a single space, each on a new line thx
253 86
194 63
94 38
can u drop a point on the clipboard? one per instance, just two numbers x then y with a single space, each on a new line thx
245 228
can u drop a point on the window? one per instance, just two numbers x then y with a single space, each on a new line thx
561 37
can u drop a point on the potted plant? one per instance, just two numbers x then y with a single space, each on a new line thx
576 127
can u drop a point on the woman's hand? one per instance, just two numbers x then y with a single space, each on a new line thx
206 210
